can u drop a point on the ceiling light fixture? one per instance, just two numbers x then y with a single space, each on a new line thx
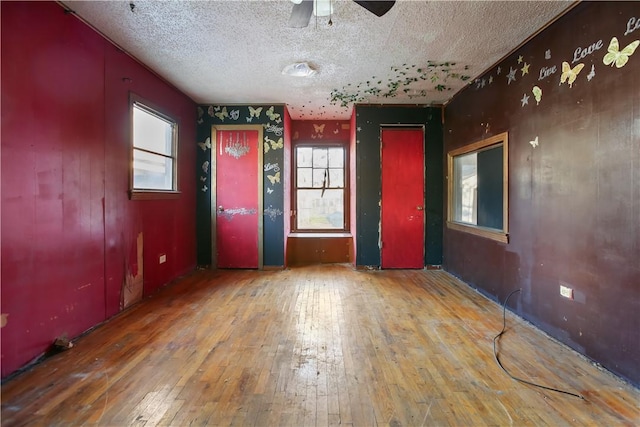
322 7
299 69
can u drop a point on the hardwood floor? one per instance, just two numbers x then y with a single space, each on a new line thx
318 345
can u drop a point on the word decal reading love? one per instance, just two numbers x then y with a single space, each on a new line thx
581 53
632 24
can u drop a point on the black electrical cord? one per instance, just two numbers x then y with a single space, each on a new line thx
495 353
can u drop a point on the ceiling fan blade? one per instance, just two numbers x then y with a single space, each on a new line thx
300 14
378 8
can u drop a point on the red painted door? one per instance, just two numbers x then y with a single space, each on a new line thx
237 216
402 204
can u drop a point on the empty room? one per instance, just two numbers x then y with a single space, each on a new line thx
320 212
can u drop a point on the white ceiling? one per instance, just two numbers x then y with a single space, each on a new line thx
233 52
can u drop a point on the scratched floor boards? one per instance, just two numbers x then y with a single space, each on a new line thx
315 346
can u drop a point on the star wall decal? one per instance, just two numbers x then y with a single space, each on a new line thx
525 100
511 77
520 59
499 70
525 69
490 79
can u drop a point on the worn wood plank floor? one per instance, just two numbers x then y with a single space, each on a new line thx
319 345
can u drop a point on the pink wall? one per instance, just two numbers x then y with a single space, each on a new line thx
68 227
318 131
288 179
352 181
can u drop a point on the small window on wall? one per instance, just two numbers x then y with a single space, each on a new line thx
320 190
154 148
478 188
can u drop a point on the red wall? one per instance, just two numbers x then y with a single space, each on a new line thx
68 227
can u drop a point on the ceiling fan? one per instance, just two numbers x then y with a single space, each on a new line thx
303 9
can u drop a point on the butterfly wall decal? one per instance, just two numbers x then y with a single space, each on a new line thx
274 144
273 116
537 94
255 112
222 114
570 74
235 114
206 144
274 178
318 128
618 57
534 143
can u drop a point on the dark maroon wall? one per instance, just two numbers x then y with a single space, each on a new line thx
68 228
575 198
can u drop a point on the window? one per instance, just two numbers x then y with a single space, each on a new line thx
478 188
154 152
320 188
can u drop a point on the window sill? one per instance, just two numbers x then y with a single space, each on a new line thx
316 235
488 233
153 195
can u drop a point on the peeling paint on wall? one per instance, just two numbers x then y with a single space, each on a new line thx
229 214
133 280
4 319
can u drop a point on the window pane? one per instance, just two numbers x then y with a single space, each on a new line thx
304 156
490 188
336 157
465 188
318 177
320 158
152 171
304 177
336 178
320 211
151 132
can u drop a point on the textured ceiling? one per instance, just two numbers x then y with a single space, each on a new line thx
233 52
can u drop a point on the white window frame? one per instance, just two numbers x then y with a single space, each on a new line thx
153 193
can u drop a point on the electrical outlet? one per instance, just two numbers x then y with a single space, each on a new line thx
163 258
566 292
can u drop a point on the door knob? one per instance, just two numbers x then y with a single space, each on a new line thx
420 208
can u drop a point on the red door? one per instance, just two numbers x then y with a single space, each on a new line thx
402 205
237 186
